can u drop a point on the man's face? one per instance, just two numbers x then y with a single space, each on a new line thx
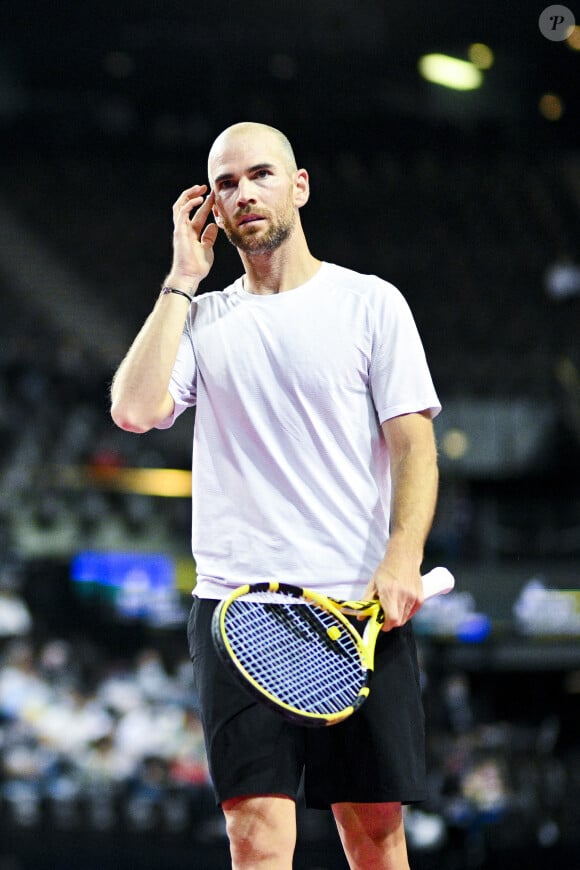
254 192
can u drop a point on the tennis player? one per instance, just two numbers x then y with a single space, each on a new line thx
314 462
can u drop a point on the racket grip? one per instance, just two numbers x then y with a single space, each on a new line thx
438 581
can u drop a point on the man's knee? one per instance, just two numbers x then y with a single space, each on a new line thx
373 835
261 831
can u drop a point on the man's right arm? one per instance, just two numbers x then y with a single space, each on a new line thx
140 397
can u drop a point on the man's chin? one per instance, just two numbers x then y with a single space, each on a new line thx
257 246
245 241
257 239
257 243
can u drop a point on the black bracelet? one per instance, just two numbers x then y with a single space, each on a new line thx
165 290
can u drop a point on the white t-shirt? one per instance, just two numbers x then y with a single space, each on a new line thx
290 467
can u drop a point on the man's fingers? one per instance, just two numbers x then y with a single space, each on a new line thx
182 210
190 193
209 235
196 223
188 200
394 619
203 212
192 244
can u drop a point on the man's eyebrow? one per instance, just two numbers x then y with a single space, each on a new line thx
225 176
261 166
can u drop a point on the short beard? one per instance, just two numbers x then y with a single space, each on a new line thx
276 235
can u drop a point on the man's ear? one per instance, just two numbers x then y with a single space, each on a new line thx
301 188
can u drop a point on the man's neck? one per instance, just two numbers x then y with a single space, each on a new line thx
286 267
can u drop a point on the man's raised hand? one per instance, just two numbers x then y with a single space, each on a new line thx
193 241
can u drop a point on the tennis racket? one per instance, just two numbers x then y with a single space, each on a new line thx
297 651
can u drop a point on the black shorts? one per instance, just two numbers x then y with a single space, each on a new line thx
376 755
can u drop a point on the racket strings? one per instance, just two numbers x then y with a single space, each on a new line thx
298 653
300 618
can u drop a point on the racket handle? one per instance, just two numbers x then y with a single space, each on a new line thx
438 581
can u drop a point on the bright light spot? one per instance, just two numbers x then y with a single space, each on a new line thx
166 482
455 444
551 107
461 75
481 55
573 39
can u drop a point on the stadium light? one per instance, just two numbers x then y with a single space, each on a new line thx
450 72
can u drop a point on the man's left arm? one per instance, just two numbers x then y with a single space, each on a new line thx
413 461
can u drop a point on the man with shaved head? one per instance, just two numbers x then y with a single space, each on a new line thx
314 463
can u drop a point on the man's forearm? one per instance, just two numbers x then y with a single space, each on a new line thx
415 478
139 392
415 481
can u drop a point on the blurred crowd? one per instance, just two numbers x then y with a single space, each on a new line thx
97 741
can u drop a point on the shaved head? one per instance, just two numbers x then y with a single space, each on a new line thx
250 130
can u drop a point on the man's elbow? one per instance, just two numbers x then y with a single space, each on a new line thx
130 421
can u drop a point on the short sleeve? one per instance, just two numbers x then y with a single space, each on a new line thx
400 380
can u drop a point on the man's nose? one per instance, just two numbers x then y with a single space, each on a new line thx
245 191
